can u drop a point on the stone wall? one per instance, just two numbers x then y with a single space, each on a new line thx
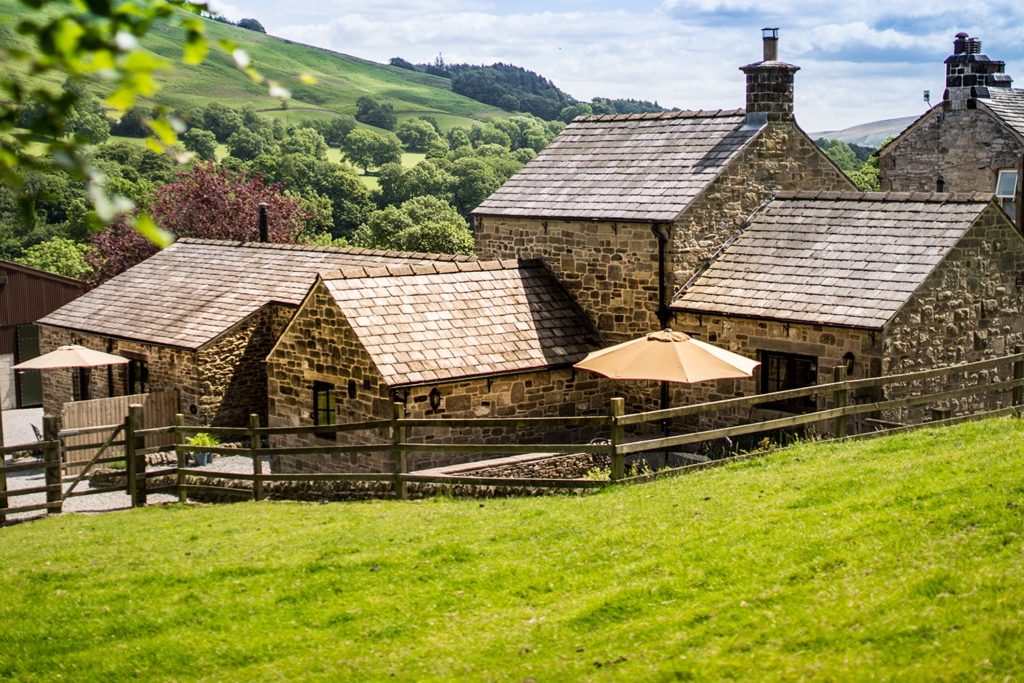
969 308
221 384
782 157
748 336
965 148
232 370
169 369
610 269
320 345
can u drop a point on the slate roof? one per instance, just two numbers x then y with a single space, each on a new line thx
452 320
833 258
1008 105
634 167
191 292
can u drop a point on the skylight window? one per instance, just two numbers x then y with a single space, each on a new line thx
1006 185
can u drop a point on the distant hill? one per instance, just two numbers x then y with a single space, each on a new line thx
341 78
871 134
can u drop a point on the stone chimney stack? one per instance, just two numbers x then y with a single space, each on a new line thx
969 74
770 83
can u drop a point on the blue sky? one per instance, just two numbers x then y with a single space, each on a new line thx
861 61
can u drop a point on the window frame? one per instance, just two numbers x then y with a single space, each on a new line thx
999 181
137 372
328 414
768 384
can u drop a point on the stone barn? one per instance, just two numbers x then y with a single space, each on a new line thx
972 141
625 208
880 283
198 317
460 339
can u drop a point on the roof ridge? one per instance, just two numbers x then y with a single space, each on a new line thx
323 249
661 115
443 268
916 197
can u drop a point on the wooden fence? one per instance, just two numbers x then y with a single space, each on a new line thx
135 439
159 408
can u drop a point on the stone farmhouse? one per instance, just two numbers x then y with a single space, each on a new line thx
880 283
624 208
972 141
458 339
199 317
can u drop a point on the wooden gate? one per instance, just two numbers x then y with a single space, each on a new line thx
158 410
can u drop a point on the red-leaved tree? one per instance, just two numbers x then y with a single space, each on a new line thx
206 201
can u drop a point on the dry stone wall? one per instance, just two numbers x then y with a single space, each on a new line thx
966 148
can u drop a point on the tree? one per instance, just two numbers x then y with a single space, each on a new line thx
206 201
416 134
59 255
222 121
419 224
305 141
487 134
80 40
366 148
202 142
132 124
374 113
305 176
458 137
475 181
427 178
251 24
246 145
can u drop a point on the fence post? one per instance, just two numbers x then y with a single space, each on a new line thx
257 461
134 445
840 399
181 456
3 488
617 408
51 458
401 466
1018 374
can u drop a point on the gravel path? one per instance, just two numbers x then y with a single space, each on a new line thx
102 502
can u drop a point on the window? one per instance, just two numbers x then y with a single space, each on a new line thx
80 384
1006 191
137 381
940 184
324 407
781 371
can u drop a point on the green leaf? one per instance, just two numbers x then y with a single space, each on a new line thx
195 49
148 228
164 130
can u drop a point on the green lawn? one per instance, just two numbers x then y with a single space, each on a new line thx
892 559
341 79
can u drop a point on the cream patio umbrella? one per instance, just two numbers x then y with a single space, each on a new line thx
71 356
668 356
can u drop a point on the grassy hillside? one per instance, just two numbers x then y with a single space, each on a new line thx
899 558
341 79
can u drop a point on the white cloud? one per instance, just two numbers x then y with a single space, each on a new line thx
860 60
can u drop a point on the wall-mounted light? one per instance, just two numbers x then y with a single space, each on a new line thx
850 361
435 399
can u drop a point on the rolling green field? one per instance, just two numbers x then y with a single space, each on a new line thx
342 79
893 559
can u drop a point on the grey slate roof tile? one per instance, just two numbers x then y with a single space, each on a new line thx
1008 105
191 292
479 318
628 167
833 258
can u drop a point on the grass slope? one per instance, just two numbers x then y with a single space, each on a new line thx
898 558
342 79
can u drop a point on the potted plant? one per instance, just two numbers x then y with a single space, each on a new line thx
202 439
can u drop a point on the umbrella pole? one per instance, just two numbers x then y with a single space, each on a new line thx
664 406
